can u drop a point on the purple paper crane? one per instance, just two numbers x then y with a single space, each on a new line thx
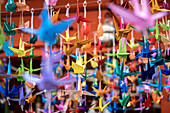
155 75
48 80
165 5
141 107
22 98
51 2
141 18
60 107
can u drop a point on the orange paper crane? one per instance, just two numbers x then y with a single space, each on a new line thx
22 6
29 85
21 25
115 97
78 44
133 101
121 32
156 98
31 98
99 75
79 92
133 78
99 91
67 65
54 18
100 30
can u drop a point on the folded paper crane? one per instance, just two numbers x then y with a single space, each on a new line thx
122 52
48 29
10 6
8 29
5 47
22 6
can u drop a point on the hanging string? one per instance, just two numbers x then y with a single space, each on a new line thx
84 5
99 4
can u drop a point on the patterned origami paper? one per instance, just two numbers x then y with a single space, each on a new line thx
47 28
141 17
10 6
8 29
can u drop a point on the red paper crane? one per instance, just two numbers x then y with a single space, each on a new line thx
147 102
100 46
85 29
132 67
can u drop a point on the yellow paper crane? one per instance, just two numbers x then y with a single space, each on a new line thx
132 43
101 107
99 91
54 18
21 51
121 32
155 7
79 91
113 64
67 38
156 98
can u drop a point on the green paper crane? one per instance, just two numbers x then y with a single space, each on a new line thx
132 43
31 70
157 35
20 70
149 29
85 74
33 39
10 6
120 73
124 101
8 29
113 54
164 26
159 59
122 53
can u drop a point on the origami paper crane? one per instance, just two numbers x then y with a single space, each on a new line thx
78 55
81 18
22 6
114 108
142 18
100 46
127 4
164 26
85 76
100 107
20 71
133 101
113 54
21 25
8 75
60 107
100 30
78 67
132 43
29 85
113 64
155 75
5 47
31 55
166 71
159 86
99 75
133 66
22 98
21 51
141 107
85 29
157 35
48 81
77 44
79 91
67 38
123 87
159 59
122 53
47 28
54 18
31 70
121 32
8 29
156 98
10 6
155 7
31 98
145 51
147 102
132 78
67 65
30 110
85 108
125 99
148 73
12 93
33 39
51 2
99 91
165 5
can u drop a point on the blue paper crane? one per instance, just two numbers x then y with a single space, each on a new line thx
9 94
123 86
159 86
22 98
145 50
8 74
47 32
166 71
6 44
148 73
